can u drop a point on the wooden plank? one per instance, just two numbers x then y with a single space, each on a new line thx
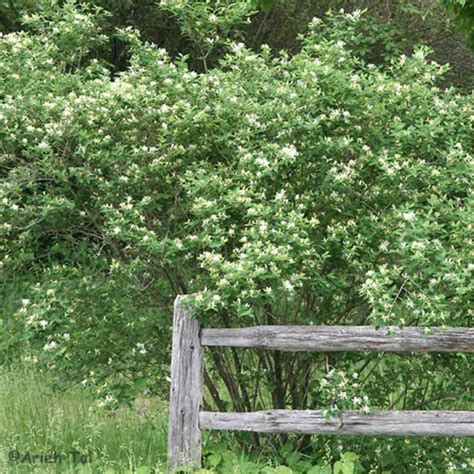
184 435
343 338
385 423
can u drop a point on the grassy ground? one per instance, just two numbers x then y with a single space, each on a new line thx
37 420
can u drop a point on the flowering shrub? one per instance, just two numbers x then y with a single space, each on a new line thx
315 189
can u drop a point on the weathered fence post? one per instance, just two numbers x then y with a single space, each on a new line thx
184 435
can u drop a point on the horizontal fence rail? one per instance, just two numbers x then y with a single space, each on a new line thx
377 423
186 420
343 338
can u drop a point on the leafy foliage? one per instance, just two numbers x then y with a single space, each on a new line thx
464 13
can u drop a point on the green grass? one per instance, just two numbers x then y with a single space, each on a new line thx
37 419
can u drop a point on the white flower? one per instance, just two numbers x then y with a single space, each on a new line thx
110 398
25 302
216 299
354 15
141 348
263 227
409 216
237 48
50 346
288 286
199 297
418 245
290 151
357 400
263 162
252 119
66 336
43 323
116 230
164 109
365 409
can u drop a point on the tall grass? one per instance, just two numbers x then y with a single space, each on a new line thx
36 419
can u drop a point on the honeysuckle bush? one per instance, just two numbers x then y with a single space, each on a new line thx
312 189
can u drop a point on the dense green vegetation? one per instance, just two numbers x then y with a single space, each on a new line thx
82 436
326 183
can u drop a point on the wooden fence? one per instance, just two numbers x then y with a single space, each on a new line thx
186 420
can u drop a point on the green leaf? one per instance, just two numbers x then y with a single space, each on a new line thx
338 467
350 456
265 5
214 459
293 458
283 470
286 449
320 470
143 470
